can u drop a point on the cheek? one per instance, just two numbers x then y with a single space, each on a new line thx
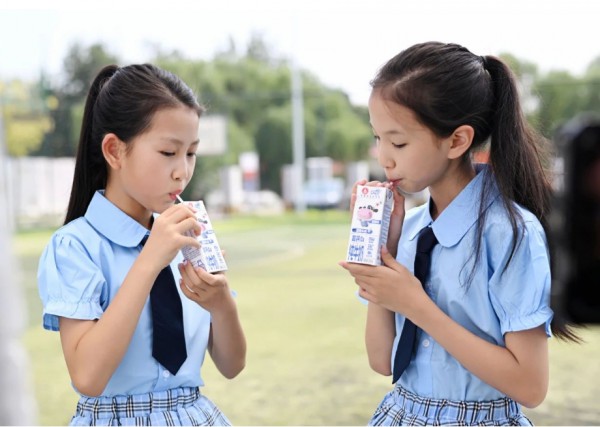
192 163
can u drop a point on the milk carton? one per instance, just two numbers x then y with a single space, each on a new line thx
208 256
370 224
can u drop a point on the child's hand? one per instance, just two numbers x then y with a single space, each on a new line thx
363 182
167 236
391 286
210 291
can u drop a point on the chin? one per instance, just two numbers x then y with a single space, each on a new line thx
161 208
410 191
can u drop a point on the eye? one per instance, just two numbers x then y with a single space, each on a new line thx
376 139
167 153
398 145
191 154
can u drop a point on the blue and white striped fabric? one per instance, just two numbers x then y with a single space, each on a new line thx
184 406
401 407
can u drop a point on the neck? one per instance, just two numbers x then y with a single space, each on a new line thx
454 181
128 205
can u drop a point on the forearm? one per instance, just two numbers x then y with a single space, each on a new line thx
379 338
227 345
521 374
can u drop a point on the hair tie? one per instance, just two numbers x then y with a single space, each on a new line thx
483 62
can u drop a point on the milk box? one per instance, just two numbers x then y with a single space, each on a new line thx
208 256
370 224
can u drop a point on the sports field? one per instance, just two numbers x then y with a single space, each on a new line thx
306 361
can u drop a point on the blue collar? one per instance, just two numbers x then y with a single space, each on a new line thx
462 213
113 223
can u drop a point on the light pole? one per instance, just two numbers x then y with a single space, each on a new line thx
298 130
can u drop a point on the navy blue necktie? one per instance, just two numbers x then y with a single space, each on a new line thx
168 339
407 340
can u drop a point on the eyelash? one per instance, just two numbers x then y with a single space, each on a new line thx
378 139
171 154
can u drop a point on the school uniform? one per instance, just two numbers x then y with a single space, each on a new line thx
80 272
435 388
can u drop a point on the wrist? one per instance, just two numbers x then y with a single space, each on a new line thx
225 307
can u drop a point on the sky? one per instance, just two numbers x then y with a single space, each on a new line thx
343 43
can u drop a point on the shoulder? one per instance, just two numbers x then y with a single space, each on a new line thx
498 225
75 236
503 246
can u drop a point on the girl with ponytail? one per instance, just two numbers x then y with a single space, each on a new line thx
480 314
135 321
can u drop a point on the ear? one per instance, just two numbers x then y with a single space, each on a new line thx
460 141
113 150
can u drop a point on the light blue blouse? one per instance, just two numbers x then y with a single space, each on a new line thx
492 304
79 274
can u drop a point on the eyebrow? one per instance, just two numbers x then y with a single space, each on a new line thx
178 141
389 132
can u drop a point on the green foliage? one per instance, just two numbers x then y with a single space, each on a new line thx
24 117
80 67
252 89
23 134
561 97
254 92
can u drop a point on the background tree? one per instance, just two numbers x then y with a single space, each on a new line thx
80 67
251 87
25 116
253 91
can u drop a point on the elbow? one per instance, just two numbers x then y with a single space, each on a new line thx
381 367
233 371
533 397
88 386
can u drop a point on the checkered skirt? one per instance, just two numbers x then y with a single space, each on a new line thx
184 406
401 407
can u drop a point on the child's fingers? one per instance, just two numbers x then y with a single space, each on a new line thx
176 213
388 260
185 274
354 189
188 224
357 183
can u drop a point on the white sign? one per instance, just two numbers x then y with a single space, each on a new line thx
212 133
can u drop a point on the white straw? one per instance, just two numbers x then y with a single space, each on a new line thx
179 198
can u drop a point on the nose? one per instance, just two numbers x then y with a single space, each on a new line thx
181 172
385 160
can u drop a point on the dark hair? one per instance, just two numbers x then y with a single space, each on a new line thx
447 86
122 101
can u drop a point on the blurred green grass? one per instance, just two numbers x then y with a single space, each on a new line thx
306 360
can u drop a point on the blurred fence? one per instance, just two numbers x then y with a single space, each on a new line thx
37 189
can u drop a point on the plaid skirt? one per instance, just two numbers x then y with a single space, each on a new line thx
401 407
184 406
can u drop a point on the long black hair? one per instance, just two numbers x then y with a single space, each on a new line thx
447 86
122 101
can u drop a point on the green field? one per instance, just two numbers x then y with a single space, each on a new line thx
306 360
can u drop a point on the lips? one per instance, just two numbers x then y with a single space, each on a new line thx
174 195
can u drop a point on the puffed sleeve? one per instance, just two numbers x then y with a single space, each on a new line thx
70 283
520 295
